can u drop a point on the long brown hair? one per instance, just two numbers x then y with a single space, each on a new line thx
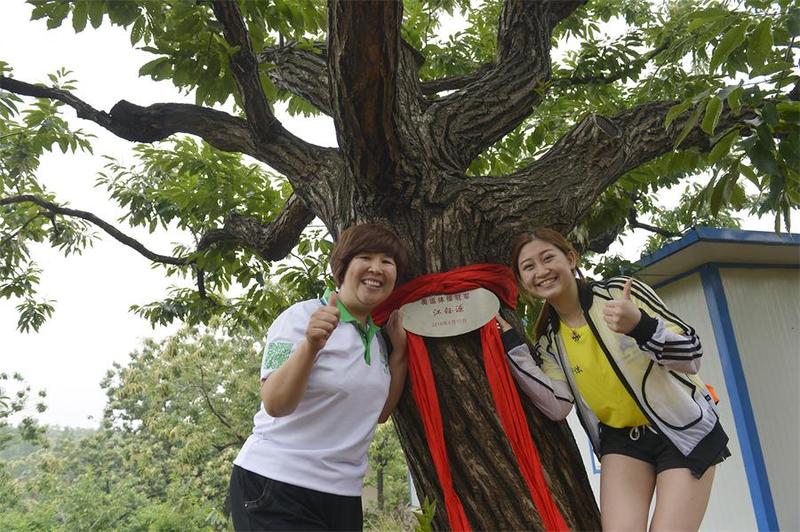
554 238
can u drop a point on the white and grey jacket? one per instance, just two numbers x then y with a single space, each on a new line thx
657 364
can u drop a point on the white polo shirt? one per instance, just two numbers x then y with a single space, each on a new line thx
323 444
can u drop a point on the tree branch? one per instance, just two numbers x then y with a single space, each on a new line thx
244 67
277 147
152 123
514 85
300 72
10 237
305 73
611 78
222 419
286 153
634 223
600 242
435 86
105 226
558 189
271 241
363 60
201 281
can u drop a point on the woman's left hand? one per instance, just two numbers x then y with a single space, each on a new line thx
397 335
622 315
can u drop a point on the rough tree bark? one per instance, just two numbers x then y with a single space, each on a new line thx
403 156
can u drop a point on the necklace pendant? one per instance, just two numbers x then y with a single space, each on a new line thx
575 335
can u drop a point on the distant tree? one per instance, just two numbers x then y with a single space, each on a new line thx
176 416
15 397
388 472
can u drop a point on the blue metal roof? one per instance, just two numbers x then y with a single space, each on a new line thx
713 234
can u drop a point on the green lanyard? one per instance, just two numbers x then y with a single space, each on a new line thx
365 333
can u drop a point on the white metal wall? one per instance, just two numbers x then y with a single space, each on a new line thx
764 306
730 507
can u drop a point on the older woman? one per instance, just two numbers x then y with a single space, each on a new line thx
326 380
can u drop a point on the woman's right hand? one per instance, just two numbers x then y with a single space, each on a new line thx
504 325
322 324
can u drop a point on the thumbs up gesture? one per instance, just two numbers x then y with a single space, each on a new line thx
322 324
622 315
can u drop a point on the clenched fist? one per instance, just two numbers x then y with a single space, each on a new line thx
622 315
322 324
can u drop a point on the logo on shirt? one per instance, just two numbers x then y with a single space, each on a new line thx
275 354
576 369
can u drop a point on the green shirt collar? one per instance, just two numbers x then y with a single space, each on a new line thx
366 333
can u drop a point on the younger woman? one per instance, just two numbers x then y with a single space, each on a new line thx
630 365
326 380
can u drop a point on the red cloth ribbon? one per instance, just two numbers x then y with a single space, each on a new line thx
498 279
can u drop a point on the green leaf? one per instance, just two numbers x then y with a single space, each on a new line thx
711 118
675 111
732 40
738 197
717 195
137 31
705 17
96 9
57 15
40 12
789 149
770 114
723 147
759 45
79 16
688 126
793 22
764 159
735 100
789 107
750 174
152 68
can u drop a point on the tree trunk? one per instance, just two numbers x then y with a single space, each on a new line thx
379 486
485 472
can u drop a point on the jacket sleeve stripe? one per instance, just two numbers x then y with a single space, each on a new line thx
670 357
537 380
673 344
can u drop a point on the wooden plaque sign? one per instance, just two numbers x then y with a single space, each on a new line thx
450 314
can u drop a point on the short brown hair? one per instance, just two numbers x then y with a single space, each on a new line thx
367 238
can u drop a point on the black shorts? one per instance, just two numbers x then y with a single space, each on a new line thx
643 443
260 503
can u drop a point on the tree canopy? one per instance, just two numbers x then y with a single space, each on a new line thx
716 82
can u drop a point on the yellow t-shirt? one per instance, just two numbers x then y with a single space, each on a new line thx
597 383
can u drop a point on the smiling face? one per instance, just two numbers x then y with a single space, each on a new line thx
545 271
368 281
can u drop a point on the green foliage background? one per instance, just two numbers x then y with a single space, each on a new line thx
177 414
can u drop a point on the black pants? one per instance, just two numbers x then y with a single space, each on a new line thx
260 503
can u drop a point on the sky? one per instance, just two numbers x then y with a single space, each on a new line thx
92 327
